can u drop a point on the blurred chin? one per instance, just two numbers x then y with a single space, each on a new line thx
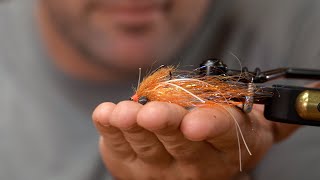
130 46
132 54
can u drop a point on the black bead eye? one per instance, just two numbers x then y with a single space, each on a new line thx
143 100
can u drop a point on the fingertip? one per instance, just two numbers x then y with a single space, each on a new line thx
204 123
159 115
124 114
102 113
194 129
151 115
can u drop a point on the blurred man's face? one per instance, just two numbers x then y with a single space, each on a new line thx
126 33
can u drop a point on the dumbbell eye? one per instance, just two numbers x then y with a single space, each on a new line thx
143 100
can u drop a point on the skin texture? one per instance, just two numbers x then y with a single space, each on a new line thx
169 142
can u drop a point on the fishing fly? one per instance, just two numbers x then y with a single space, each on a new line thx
207 86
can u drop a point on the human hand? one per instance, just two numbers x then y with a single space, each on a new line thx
164 141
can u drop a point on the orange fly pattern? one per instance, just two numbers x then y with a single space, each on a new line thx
187 89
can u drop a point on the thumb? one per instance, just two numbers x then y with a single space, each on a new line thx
216 126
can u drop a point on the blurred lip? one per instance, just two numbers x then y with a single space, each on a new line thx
134 12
